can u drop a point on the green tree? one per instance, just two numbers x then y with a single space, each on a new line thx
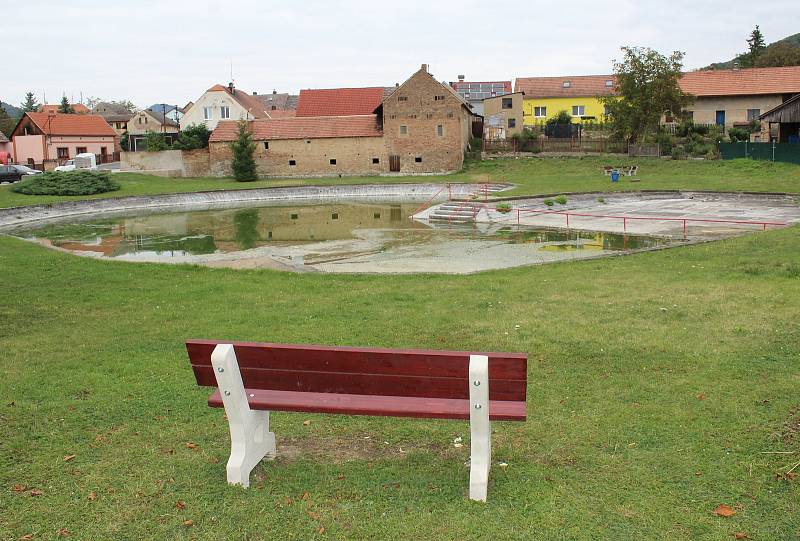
779 54
155 142
647 87
561 117
195 136
125 141
756 46
65 107
29 105
244 165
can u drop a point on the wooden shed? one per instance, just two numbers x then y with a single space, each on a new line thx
787 117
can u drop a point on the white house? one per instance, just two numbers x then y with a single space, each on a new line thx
224 103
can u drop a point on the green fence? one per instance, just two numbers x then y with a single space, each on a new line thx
775 152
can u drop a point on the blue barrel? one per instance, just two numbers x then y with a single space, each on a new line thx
614 176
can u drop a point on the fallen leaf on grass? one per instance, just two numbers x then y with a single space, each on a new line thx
741 535
287 500
180 505
305 496
18 488
306 423
788 476
62 532
35 492
314 516
701 396
26 537
68 458
188 522
321 530
191 445
724 511
92 496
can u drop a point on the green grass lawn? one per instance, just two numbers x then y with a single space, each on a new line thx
661 385
531 175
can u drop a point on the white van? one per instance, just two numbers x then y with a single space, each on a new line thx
86 161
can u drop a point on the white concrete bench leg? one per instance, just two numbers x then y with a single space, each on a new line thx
251 439
480 431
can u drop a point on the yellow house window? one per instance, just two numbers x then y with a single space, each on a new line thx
540 112
578 110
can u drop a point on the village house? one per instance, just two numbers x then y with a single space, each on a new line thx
227 103
279 101
578 95
738 97
503 116
475 92
421 127
145 121
115 114
46 140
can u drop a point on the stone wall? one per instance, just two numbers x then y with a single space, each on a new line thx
311 157
169 163
426 126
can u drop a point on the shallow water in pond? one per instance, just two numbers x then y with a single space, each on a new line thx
337 237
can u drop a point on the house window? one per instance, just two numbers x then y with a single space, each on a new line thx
224 111
292 162
512 122
63 153
207 113
438 98
540 112
80 150
609 83
266 145
412 116
753 114
507 103
403 130
429 116
449 115
333 161
418 159
376 160
334 216
293 216
402 98
376 215
578 110
392 116
566 84
440 130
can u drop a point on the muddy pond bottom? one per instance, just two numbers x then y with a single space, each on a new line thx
337 237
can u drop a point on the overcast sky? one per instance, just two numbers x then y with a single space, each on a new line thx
153 51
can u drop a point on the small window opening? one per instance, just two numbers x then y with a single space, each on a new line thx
292 162
376 160
266 145
377 216
293 216
335 216
418 159
333 161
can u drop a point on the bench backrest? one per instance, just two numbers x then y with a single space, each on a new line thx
364 371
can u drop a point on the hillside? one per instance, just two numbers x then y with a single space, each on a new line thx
784 52
13 112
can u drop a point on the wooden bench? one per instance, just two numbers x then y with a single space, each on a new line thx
253 379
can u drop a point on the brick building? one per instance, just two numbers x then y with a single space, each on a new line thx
422 126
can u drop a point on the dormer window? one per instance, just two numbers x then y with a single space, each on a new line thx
566 84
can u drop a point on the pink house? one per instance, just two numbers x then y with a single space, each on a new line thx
6 151
47 140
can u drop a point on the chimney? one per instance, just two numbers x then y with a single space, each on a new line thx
397 85
255 93
425 68
461 78
735 65
230 87
274 91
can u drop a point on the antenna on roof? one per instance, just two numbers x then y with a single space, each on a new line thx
231 69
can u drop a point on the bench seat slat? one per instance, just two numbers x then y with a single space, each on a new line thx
363 383
409 362
392 406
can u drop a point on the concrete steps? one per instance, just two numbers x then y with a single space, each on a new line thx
455 213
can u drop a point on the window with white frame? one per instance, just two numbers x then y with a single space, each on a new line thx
578 110
540 112
566 84
207 113
224 111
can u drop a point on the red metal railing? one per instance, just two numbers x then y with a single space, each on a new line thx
685 221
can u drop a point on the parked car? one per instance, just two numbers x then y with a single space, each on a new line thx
25 170
81 161
9 173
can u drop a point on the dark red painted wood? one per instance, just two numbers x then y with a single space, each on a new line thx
364 384
299 357
392 406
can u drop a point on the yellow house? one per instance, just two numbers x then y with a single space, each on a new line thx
577 95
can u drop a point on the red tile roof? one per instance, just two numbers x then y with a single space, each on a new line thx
79 108
281 113
553 87
64 124
739 82
339 101
302 128
251 103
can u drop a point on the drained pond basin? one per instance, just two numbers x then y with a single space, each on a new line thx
396 237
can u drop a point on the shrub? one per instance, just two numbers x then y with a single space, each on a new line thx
665 143
738 134
155 142
68 183
503 208
244 165
549 202
561 199
195 136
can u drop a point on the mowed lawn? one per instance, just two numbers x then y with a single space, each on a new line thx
661 385
530 175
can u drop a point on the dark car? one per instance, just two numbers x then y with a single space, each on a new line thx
9 173
25 170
